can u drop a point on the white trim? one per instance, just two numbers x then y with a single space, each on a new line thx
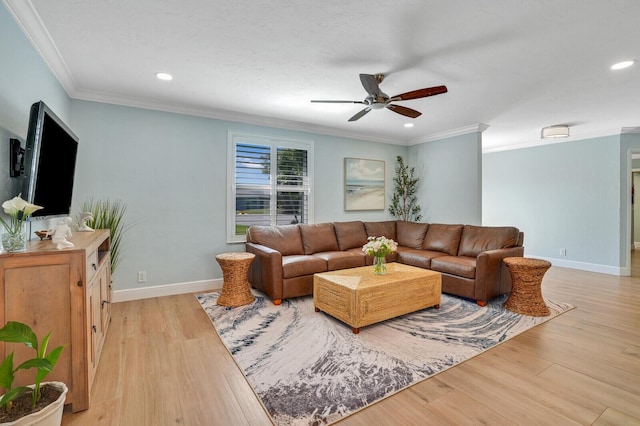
572 138
216 284
32 26
165 290
626 130
474 128
583 266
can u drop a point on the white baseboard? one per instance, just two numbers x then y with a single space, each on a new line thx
165 290
583 266
216 284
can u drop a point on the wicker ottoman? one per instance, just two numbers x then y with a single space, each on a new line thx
526 294
236 290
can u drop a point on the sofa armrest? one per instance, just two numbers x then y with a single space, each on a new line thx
265 272
492 278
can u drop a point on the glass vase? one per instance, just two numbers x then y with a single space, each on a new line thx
379 265
15 241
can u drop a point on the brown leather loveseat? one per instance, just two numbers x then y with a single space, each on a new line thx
469 257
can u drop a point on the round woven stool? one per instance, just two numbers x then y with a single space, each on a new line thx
526 278
236 290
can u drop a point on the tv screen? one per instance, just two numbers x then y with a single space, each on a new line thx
49 163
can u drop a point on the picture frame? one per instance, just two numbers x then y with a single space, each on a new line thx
364 184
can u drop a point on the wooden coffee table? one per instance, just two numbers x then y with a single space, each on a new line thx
358 297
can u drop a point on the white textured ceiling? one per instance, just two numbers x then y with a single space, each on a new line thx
514 65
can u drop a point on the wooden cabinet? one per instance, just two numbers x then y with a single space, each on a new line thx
64 291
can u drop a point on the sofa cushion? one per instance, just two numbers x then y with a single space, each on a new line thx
284 238
420 258
381 229
341 259
476 239
296 266
350 234
443 237
455 265
411 234
318 237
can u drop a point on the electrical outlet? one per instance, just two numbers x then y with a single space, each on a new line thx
142 276
563 252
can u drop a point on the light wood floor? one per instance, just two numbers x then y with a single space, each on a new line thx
163 364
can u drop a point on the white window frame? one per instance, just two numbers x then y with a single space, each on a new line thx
274 143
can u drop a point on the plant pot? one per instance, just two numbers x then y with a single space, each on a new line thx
51 415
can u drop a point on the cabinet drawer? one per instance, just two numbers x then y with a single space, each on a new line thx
92 265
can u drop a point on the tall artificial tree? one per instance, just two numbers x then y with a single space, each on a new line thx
404 204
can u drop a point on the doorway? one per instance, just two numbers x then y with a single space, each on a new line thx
634 265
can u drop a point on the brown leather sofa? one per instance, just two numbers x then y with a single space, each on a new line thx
469 257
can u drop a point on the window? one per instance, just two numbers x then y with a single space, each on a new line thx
270 183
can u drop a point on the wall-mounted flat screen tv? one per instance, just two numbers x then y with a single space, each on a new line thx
49 163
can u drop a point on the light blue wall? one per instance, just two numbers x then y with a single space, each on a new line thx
24 79
565 195
450 172
170 169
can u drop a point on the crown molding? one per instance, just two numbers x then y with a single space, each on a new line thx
218 114
473 128
25 15
572 138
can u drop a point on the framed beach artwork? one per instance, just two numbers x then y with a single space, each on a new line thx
363 184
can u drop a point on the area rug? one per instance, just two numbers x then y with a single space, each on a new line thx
308 368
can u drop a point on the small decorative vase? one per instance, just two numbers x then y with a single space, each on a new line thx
379 266
15 241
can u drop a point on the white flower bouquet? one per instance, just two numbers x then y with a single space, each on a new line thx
379 246
18 210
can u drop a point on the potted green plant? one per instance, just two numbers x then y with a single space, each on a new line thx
40 403
404 204
108 214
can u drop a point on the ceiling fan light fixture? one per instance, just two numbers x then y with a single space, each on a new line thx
555 132
622 65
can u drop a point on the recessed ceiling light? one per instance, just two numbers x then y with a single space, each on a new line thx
622 65
408 125
164 76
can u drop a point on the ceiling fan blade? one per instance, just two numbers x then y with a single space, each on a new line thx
404 111
339 102
420 93
370 84
360 114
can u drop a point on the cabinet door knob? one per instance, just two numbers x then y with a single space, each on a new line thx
95 329
103 302
95 267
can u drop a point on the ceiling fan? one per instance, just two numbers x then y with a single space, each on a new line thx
377 99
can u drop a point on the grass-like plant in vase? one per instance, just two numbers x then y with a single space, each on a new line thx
108 214
12 406
404 204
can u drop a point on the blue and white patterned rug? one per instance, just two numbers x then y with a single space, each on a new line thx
308 368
